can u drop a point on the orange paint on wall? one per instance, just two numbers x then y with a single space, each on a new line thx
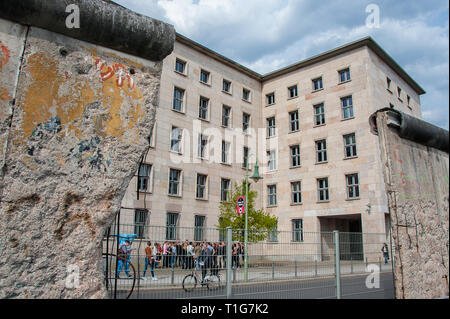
4 58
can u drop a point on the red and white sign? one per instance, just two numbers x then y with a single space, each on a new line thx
240 207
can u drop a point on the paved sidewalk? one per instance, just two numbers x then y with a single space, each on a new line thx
173 278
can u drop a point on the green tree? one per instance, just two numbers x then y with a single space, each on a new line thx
260 223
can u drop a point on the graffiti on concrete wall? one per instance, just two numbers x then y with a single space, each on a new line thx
4 55
107 72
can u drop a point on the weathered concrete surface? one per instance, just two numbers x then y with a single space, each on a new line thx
80 124
417 184
101 22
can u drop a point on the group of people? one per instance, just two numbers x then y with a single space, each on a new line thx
202 255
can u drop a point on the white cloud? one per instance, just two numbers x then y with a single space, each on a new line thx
271 34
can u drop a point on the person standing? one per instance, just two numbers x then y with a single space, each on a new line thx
165 254
148 258
154 261
385 252
124 257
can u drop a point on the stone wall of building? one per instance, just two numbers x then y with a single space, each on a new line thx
75 119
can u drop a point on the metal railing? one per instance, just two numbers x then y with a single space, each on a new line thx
282 265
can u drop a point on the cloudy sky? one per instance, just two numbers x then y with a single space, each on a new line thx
266 35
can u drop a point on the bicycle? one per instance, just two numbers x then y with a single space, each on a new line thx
211 281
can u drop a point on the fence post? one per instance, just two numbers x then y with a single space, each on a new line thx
172 280
315 268
337 259
295 265
229 243
351 265
273 270
379 261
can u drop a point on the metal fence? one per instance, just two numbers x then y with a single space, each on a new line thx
279 265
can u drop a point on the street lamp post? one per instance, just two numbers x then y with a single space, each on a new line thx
256 178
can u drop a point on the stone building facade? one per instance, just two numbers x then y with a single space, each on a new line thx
309 128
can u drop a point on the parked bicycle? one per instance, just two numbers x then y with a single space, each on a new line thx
211 281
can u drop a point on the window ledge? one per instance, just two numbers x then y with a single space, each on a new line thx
181 112
296 204
202 199
175 152
352 199
272 206
270 104
145 192
389 91
180 73
296 241
226 164
320 163
293 167
318 90
175 196
400 100
343 82
320 125
348 118
322 201
294 131
204 120
292 98
205 83
227 92
248 101
350 157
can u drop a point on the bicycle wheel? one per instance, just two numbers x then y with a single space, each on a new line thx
189 283
213 282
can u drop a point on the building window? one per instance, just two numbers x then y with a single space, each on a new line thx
347 107
294 124
270 126
203 108
270 98
174 182
175 139
388 83
226 86
319 114
321 151
322 189
199 225
317 84
408 100
180 66
273 234
352 186
292 91
245 94
271 160
171 226
140 217
272 195
202 145
399 92
295 155
201 186
225 152
245 157
178 97
344 75
296 192
204 76
245 122
224 189
297 230
226 116
350 145
143 182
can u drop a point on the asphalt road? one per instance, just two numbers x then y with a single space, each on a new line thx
321 288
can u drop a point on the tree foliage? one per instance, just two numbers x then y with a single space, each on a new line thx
260 223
